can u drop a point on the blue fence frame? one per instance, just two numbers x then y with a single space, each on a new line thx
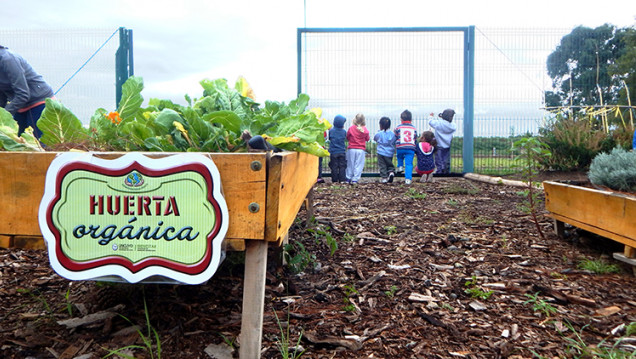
469 73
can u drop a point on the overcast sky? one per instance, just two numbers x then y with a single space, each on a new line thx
178 43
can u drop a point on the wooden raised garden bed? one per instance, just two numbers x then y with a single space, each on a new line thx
608 214
263 191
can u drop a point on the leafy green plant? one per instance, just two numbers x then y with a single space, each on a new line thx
573 142
578 348
457 189
527 161
390 230
220 121
38 297
474 291
558 275
391 292
147 339
9 139
321 234
349 290
598 266
615 170
453 203
283 343
297 257
478 293
348 237
540 305
69 305
415 194
228 341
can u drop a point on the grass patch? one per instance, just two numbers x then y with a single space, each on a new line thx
598 266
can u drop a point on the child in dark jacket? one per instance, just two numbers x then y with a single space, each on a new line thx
425 160
337 150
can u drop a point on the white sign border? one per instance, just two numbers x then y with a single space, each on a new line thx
106 272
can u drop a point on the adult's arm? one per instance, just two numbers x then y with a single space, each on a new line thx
12 68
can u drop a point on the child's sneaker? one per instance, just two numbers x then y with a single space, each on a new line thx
400 169
390 179
424 178
354 183
407 181
384 180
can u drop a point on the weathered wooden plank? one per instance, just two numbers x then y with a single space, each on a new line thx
600 231
22 177
602 212
291 176
6 241
253 299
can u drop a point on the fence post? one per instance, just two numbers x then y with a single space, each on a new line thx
123 62
469 99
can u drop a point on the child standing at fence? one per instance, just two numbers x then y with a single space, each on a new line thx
386 148
337 158
406 135
425 161
357 135
444 130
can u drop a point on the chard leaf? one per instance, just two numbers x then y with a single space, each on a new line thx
9 139
59 125
244 88
227 119
165 119
137 133
160 144
199 130
311 148
131 98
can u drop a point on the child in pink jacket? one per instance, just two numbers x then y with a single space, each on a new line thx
358 136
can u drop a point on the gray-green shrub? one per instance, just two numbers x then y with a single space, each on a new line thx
615 170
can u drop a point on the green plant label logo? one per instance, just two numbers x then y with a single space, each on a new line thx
134 217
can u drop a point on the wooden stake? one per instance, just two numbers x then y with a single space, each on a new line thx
253 299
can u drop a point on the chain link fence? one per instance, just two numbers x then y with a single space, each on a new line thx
383 72
79 64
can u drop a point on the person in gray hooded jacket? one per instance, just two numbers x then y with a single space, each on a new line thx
22 91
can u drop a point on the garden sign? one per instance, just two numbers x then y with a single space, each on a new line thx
134 218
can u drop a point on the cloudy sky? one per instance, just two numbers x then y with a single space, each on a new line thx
178 43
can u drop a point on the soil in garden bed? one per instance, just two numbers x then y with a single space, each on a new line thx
450 269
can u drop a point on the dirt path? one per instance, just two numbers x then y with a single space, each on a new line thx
450 269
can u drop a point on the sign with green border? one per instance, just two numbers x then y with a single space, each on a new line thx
135 218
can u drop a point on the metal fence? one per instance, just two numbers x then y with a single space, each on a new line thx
383 72
79 64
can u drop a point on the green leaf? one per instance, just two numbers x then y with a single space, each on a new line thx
9 139
199 130
160 144
131 98
227 119
165 120
59 125
312 148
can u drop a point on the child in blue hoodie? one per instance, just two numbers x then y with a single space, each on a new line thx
337 150
386 148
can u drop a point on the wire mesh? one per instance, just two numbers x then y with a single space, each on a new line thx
58 54
383 72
